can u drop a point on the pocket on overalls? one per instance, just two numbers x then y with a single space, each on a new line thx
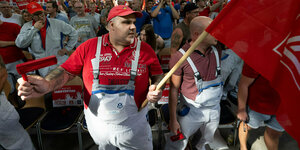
112 106
210 96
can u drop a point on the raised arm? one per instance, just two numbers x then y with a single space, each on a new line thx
155 12
174 11
25 37
217 5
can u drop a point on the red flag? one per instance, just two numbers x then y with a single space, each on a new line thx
266 35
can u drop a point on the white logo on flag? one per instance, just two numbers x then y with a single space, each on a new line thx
33 6
291 49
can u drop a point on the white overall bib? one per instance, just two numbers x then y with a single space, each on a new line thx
112 116
204 111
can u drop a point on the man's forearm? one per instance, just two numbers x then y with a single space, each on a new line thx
156 10
58 78
7 43
217 5
174 12
173 100
242 98
244 84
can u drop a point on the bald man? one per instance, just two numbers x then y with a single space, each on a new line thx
199 101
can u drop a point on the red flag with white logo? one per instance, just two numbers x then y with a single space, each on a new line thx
266 35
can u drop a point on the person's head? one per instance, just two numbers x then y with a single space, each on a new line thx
121 24
79 8
149 4
93 7
26 15
190 11
197 26
121 2
16 10
147 35
109 4
5 9
136 5
72 2
201 3
182 4
51 7
36 11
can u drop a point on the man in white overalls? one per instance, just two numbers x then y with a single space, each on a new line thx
200 85
115 70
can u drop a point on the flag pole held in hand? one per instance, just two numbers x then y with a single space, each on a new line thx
201 37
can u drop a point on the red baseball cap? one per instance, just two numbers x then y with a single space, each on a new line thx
34 7
122 10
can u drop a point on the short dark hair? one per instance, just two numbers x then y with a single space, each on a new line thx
54 5
182 2
189 7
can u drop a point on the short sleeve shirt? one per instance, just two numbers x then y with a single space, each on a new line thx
9 32
205 64
262 97
205 12
114 68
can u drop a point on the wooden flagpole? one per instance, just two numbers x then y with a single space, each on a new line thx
201 37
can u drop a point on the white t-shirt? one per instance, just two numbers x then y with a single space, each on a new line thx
97 17
15 18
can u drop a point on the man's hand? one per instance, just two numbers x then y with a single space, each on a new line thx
174 126
154 95
36 86
39 24
168 2
242 115
63 52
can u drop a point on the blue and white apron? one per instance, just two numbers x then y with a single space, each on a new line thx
204 111
112 116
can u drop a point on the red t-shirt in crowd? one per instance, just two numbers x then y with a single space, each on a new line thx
9 32
114 68
205 12
262 97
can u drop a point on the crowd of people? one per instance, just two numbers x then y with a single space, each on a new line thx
114 47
